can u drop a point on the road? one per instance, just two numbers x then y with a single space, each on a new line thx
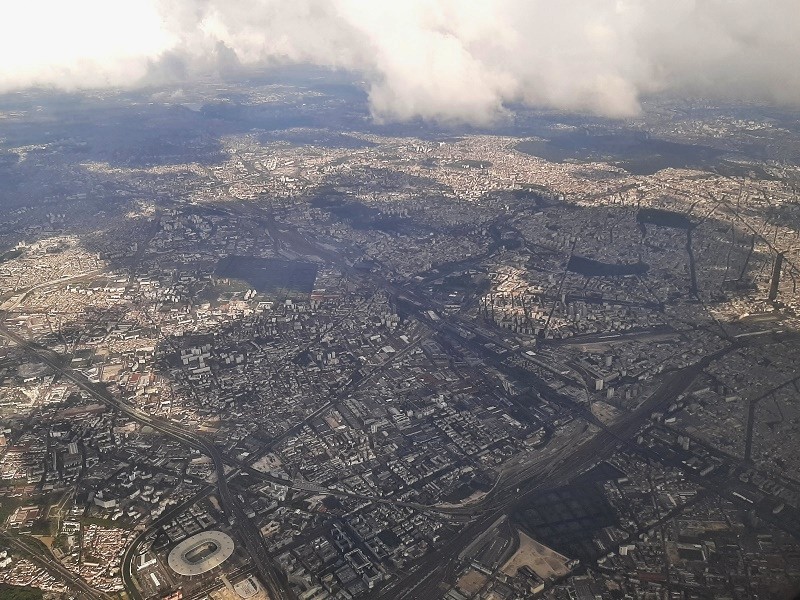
38 553
528 481
13 302
515 489
751 413
423 581
525 481
254 543
126 569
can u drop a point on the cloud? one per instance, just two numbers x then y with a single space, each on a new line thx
445 60
81 43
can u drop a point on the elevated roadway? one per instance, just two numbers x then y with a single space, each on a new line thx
40 554
254 543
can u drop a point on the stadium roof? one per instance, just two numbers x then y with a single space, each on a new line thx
201 553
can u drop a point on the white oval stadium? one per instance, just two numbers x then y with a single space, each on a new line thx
200 553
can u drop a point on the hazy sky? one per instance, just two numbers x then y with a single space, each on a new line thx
439 59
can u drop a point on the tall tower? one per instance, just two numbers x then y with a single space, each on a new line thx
776 277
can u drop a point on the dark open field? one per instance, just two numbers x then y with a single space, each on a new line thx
269 275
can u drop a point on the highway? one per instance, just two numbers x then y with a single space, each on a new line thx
38 553
514 490
524 483
254 543
128 578
14 301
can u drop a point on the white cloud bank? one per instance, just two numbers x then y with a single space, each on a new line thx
459 60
